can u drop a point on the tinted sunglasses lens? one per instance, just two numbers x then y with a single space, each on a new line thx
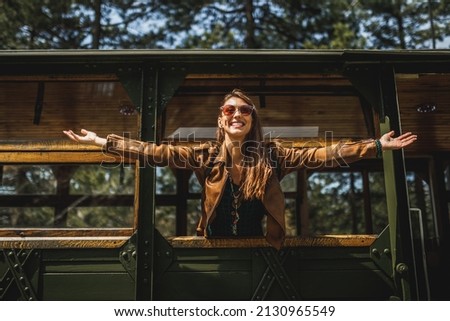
246 110
228 110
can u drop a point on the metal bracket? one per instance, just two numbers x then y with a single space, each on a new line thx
16 272
366 79
131 79
163 255
170 78
380 252
39 105
128 256
274 271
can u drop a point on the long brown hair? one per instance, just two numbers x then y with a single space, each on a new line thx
256 163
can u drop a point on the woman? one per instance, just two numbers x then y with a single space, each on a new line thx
240 173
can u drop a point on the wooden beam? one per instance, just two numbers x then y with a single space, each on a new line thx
313 241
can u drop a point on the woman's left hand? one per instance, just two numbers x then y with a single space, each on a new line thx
389 142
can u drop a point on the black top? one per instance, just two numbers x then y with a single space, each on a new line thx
251 213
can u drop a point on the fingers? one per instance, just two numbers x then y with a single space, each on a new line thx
407 138
71 135
76 137
405 135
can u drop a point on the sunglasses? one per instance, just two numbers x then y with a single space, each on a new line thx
230 110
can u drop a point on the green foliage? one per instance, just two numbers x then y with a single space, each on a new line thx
34 182
220 24
405 24
336 203
166 182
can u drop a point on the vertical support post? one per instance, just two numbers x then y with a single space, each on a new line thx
182 176
146 189
396 192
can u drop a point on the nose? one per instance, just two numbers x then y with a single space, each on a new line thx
237 111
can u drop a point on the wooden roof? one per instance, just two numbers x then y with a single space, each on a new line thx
98 101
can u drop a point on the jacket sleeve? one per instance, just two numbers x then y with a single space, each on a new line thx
339 154
157 155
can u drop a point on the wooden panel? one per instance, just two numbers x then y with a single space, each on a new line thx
58 243
433 128
318 241
14 238
327 101
94 105
330 103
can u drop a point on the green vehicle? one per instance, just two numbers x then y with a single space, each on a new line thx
77 224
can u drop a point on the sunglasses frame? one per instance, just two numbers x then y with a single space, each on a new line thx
251 107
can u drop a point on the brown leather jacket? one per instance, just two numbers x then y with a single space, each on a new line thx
210 160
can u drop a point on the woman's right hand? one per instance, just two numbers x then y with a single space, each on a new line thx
88 137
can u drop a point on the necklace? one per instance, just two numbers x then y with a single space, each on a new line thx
235 203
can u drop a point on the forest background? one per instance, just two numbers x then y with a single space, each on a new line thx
224 24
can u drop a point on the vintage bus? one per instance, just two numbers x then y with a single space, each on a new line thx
77 224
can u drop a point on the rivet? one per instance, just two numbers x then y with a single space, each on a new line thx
401 268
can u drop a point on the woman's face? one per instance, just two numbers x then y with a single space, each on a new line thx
238 124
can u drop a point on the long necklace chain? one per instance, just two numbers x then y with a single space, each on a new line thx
235 203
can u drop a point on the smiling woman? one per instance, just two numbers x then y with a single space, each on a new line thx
240 172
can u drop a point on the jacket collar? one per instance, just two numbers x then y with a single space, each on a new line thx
222 155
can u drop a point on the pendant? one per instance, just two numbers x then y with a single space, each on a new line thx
235 219
235 216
